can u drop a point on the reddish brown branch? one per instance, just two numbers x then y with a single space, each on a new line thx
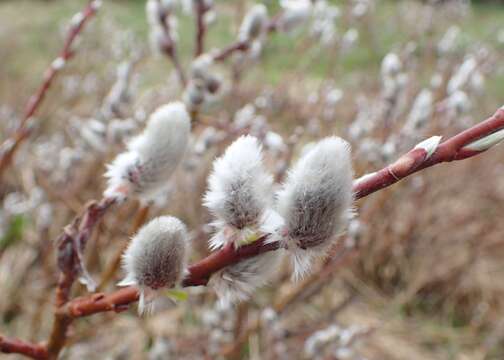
416 159
71 244
109 272
201 9
169 46
10 145
411 162
15 346
226 52
199 274
241 45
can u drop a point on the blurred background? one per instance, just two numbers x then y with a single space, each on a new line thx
424 279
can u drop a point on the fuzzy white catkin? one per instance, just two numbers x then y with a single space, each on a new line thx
152 156
239 189
391 65
421 112
459 102
238 282
239 194
462 75
315 201
152 10
295 14
156 258
200 67
254 23
158 12
203 84
449 40
155 9
318 339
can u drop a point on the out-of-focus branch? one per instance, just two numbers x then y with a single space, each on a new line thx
201 27
227 51
169 47
109 272
15 346
11 144
242 45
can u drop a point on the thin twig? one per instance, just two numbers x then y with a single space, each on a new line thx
417 159
242 45
169 47
11 144
201 9
15 346
109 272
71 244
227 51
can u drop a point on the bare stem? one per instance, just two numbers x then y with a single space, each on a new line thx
71 244
15 346
11 144
242 45
108 274
416 160
229 50
169 47
201 9
199 274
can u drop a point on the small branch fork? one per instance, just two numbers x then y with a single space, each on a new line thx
415 160
243 45
71 245
11 144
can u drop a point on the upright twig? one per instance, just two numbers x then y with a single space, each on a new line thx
11 144
109 272
201 8
169 47
71 245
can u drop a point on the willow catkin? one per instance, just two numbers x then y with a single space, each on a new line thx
156 258
315 201
152 156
